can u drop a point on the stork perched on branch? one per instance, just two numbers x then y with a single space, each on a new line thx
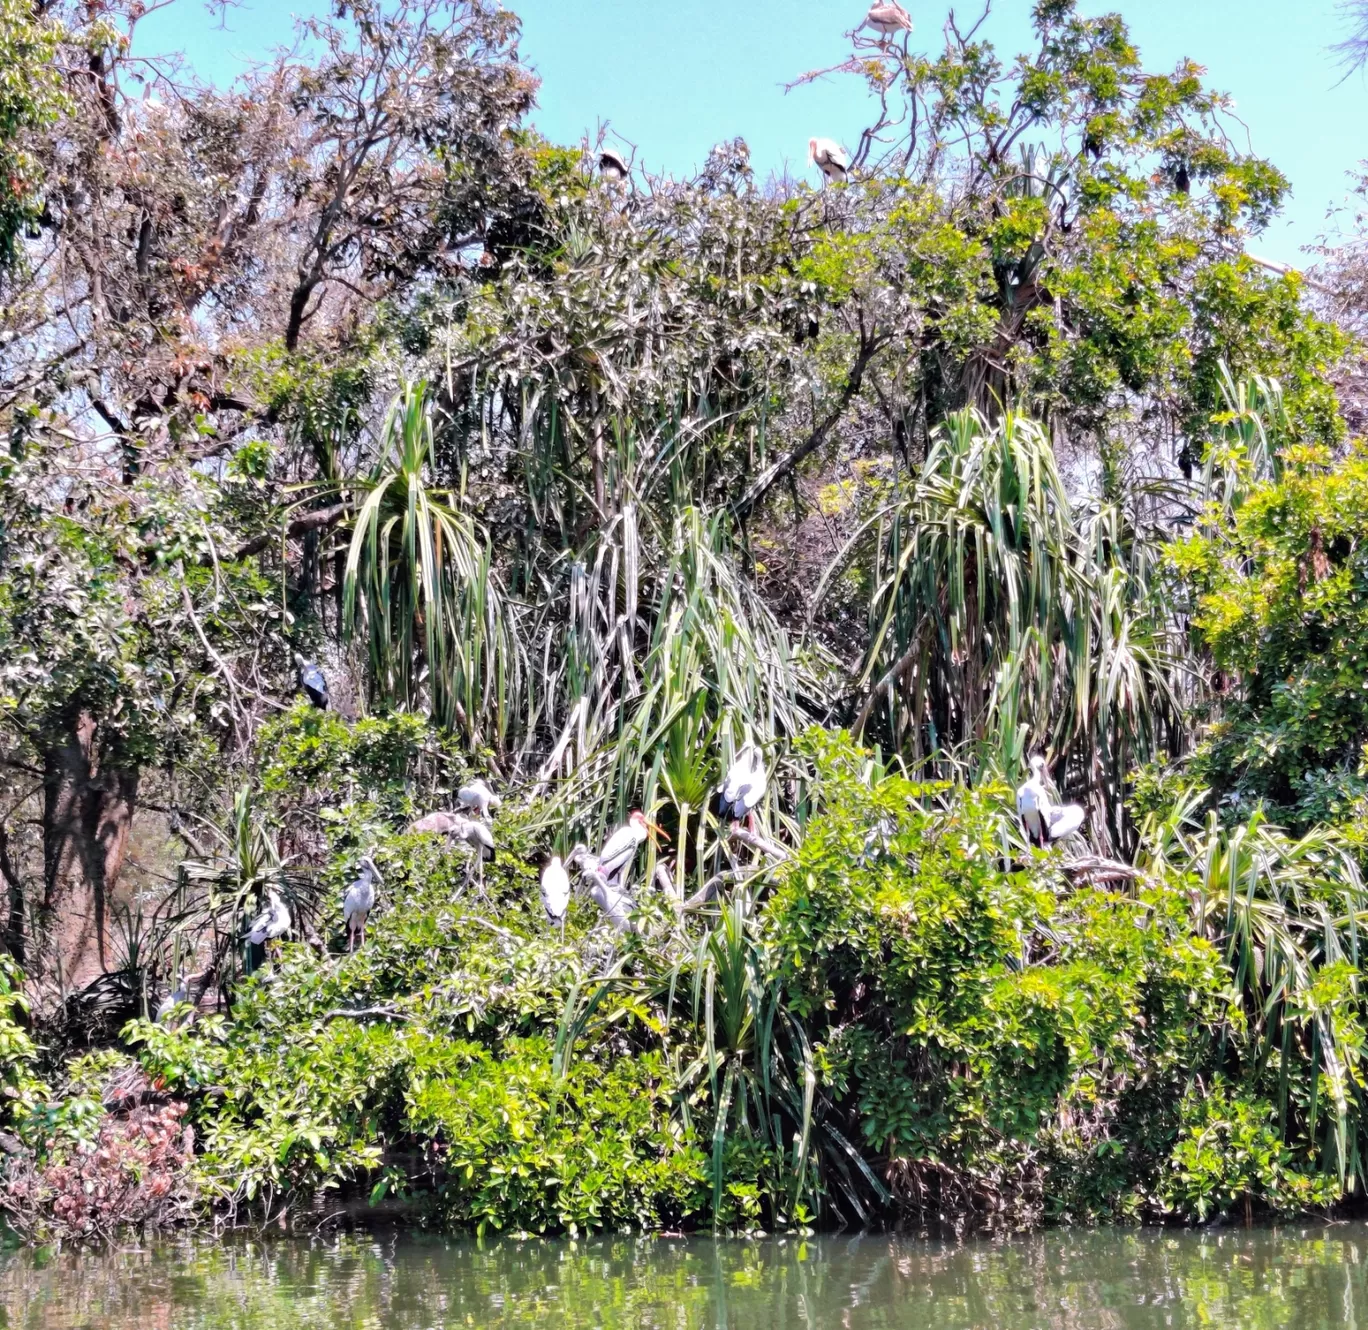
830 158
887 18
358 901
1043 819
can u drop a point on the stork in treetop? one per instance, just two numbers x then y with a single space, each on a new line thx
609 896
620 848
479 798
1043 819
272 924
830 158
358 901
312 681
613 166
887 18
744 786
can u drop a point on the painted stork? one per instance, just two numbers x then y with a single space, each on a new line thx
358 901
744 786
1043 819
610 897
312 681
613 166
478 798
620 848
272 923
887 18
555 884
830 158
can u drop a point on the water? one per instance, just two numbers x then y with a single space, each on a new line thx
1293 1279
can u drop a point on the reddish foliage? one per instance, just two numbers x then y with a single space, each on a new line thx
136 1174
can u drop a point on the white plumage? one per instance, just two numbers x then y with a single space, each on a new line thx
612 165
830 158
478 797
611 899
886 18
745 784
555 890
358 901
620 848
272 923
1043 819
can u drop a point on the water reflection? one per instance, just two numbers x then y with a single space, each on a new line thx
1299 1279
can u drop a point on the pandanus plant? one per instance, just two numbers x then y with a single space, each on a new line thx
1003 617
421 588
1288 916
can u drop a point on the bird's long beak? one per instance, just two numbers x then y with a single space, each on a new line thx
655 832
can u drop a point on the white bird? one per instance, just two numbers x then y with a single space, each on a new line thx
611 899
887 18
612 165
358 901
830 158
744 785
178 994
1043 819
620 848
272 923
479 798
555 884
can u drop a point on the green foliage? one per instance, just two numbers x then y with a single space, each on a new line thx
31 96
1281 600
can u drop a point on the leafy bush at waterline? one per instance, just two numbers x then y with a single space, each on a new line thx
917 1016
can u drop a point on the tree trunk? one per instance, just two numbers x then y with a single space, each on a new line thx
88 803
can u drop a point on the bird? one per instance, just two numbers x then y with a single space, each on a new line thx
744 786
475 834
479 798
620 848
612 165
830 158
1043 819
178 994
311 680
610 898
555 884
887 18
358 901
272 923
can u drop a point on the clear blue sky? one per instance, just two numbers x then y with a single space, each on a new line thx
674 78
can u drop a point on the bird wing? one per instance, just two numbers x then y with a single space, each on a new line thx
1065 820
620 846
1025 800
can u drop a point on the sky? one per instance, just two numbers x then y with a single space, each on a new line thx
672 79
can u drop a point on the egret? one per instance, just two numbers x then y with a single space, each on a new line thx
358 901
620 848
272 923
612 165
887 18
830 158
479 798
1043 819
744 786
311 680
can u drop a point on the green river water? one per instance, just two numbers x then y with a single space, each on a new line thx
1294 1279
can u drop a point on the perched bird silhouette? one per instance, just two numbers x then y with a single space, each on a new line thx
312 681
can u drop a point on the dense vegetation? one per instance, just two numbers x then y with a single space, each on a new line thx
1002 445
